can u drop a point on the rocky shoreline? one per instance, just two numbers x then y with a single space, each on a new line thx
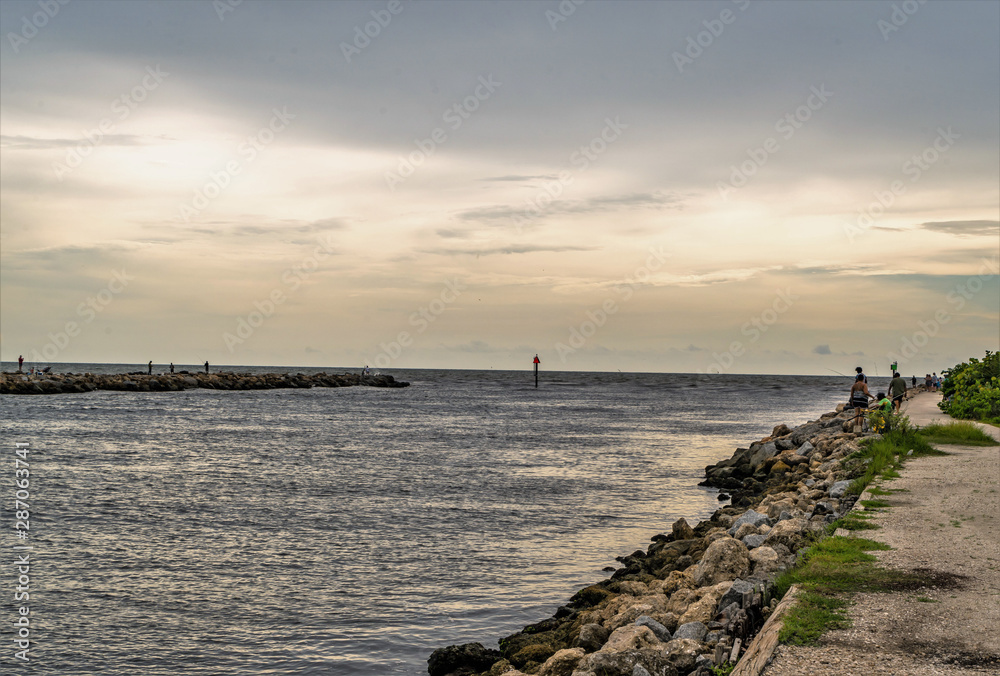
697 595
65 383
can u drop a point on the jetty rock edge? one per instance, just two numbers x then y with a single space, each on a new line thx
64 383
698 594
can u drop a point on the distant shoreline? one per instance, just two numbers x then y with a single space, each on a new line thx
70 383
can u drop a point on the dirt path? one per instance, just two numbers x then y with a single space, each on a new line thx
946 526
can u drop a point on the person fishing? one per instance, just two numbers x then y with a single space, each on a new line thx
859 398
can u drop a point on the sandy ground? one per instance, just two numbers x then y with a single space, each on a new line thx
946 526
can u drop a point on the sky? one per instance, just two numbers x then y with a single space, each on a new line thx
703 187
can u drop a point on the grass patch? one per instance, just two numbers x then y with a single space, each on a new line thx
875 490
883 457
874 504
851 521
924 599
811 616
826 570
959 433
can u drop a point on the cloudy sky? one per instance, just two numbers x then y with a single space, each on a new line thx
750 187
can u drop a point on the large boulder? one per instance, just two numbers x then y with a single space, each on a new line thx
682 653
657 628
725 559
761 453
563 663
632 637
622 663
736 592
703 609
752 517
681 530
468 658
791 533
691 630
593 636
838 489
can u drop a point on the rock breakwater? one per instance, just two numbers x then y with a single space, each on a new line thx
696 595
64 383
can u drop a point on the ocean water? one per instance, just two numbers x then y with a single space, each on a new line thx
351 531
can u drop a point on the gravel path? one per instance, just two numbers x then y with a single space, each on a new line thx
945 526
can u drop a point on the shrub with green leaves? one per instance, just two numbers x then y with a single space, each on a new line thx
972 389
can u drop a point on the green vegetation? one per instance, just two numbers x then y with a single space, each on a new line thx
851 521
962 433
723 669
972 390
830 566
885 455
874 504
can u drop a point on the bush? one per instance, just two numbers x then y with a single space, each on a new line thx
972 389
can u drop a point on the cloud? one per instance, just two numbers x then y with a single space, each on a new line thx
515 177
507 250
636 200
964 228
822 349
20 142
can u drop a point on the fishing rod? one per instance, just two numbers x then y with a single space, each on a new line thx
839 373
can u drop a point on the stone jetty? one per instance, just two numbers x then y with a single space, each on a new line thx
697 595
64 383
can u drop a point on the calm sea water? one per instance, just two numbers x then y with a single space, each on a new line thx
352 531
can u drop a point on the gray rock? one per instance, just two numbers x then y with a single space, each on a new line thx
754 541
751 516
639 670
822 507
809 483
692 630
704 662
622 663
784 444
713 636
661 632
592 637
735 593
765 452
838 489
800 435
805 449
784 516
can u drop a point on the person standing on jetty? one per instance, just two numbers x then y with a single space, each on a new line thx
20 362
171 367
897 390
206 366
859 397
861 374
150 367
